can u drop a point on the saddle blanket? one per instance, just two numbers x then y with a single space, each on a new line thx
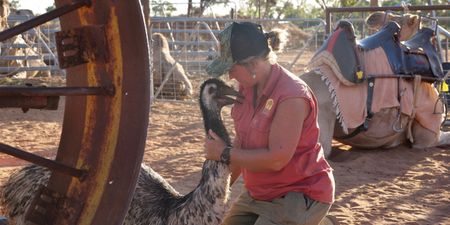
350 101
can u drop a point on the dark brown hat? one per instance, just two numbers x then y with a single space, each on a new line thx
238 41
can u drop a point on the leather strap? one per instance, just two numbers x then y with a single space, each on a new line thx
365 125
225 156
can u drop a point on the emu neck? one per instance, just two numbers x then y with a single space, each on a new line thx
213 120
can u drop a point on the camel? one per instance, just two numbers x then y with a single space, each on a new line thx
18 63
403 110
5 11
409 23
297 36
165 67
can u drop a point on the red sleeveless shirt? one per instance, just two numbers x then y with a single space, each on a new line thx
308 171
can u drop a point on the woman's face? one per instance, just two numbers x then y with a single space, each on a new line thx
242 74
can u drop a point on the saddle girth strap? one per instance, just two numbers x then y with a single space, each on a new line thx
416 90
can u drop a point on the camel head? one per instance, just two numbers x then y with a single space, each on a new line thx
409 23
159 43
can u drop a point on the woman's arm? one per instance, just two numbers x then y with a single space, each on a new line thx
285 132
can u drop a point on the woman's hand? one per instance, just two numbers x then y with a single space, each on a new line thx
214 146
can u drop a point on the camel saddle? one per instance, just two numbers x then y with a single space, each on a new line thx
342 45
417 56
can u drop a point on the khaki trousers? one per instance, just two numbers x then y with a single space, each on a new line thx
292 209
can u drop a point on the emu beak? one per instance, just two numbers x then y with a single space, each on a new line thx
229 96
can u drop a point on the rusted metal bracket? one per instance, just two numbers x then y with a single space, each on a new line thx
82 45
47 205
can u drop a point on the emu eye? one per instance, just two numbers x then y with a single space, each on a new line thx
211 90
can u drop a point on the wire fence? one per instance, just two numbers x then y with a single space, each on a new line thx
178 66
32 53
193 44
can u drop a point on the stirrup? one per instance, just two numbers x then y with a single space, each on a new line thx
3 220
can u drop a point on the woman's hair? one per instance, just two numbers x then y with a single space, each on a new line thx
276 39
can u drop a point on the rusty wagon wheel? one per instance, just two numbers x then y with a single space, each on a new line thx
103 47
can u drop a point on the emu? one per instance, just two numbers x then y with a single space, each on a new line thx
155 201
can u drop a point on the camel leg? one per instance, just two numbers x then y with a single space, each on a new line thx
444 138
327 120
180 74
327 115
424 138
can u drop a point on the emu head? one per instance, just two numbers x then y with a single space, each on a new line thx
215 94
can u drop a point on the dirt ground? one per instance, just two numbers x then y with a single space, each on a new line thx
395 186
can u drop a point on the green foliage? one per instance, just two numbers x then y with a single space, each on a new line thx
327 3
414 2
288 10
50 8
348 3
316 9
15 4
162 8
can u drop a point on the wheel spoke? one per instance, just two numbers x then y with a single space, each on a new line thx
52 165
55 91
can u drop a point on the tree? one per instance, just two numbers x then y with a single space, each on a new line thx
374 3
50 8
348 3
413 2
288 10
204 4
14 4
327 3
189 9
162 8
268 6
260 8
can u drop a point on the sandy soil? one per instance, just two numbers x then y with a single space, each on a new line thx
395 186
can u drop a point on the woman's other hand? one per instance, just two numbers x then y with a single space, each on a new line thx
214 146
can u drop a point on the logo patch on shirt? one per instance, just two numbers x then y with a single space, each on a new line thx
269 104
